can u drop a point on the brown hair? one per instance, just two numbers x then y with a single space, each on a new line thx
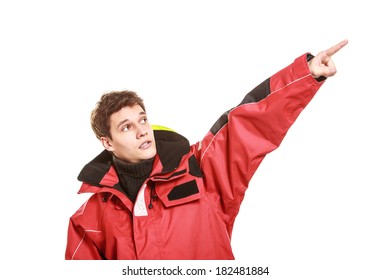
110 103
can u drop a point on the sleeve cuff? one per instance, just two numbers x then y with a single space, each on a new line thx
309 57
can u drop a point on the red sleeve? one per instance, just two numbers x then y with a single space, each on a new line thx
234 147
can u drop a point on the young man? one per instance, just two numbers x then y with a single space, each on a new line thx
155 196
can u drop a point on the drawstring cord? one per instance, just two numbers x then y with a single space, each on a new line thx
153 196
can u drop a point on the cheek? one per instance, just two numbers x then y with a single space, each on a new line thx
126 143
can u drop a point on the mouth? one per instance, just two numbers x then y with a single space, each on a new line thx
145 145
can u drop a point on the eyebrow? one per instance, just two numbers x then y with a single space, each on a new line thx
142 113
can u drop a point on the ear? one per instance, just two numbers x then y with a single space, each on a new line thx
106 142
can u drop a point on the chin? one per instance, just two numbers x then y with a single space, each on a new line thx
149 155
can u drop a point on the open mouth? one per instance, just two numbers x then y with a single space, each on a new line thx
145 145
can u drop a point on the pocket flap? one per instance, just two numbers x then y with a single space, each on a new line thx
181 193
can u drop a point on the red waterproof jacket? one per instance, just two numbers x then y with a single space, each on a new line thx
187 207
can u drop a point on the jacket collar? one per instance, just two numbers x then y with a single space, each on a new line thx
171 147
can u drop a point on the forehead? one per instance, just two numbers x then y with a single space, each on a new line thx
130 113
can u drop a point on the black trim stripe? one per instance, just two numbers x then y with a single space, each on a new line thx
183 190
257 94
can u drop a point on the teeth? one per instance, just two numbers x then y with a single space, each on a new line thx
144 144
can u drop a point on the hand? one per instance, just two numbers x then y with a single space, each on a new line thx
322 64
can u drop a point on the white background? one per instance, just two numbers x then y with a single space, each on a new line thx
317 208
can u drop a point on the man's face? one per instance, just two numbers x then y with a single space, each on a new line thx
132 136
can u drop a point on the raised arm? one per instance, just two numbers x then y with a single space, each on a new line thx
236 144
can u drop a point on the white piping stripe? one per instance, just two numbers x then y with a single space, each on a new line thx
78 246
81 241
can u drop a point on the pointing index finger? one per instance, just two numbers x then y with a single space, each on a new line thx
331 51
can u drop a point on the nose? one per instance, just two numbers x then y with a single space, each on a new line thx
141 132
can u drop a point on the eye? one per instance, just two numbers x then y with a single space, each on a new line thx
144 120
126 128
